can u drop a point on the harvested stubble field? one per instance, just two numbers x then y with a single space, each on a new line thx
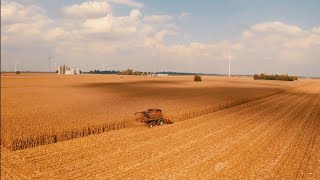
276 137
40 109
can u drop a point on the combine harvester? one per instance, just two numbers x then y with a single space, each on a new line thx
153 117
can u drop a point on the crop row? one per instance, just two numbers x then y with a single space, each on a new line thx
18 143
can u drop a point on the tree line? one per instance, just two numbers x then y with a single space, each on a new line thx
275 77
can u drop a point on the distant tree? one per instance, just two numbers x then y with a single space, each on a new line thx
197 78
127 72
138 73
18 72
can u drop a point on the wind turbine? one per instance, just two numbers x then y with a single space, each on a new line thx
49 58
229 63
55 66
227 55
15 67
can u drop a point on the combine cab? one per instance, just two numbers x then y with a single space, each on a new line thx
153 117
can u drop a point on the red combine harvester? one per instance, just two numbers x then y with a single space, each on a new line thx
153 117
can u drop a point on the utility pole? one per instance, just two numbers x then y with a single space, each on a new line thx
15 67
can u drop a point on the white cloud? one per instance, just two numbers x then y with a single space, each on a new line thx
55 34
247 34
310 40
316 30
213 51
135 14
276 27
12 12
117 25
22 24
282 43
130 3
89 9
157 18
103 24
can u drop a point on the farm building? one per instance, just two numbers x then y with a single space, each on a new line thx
67 70
157 75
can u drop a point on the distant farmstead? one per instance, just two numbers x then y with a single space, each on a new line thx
67 70
157 75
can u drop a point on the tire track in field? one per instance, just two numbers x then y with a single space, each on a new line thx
14 166
298 148
314 158
269 147
311 145
205 140
206 160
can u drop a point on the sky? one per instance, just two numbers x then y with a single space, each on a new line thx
273 37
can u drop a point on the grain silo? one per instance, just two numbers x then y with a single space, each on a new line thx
72 71
61 69
78 71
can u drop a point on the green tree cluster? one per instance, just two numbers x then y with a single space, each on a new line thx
275 77
197 78
127 72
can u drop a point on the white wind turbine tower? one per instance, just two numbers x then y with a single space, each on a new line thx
49 58
229 63
15 67
229 59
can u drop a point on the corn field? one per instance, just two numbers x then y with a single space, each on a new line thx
44 109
